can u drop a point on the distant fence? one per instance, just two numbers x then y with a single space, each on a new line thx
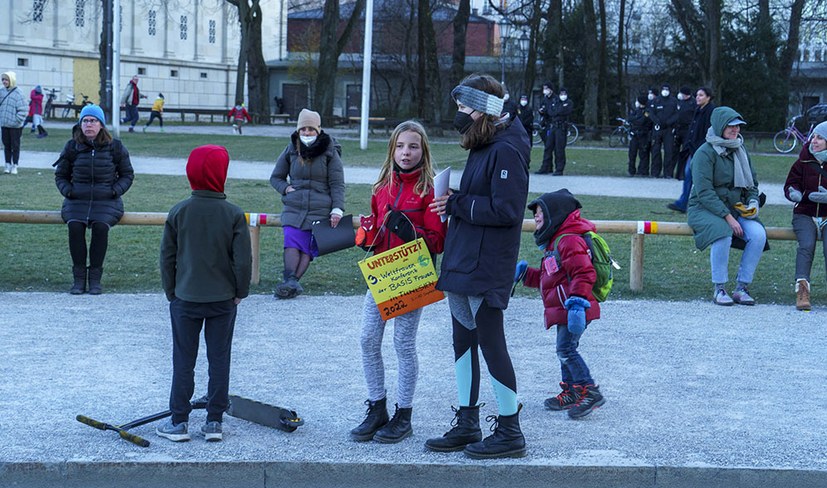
637 229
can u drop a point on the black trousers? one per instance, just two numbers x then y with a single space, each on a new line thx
155 115
639 149
664 139
11 143
554 155
218 320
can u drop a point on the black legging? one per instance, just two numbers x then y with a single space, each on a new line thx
490 336
97 247
11 143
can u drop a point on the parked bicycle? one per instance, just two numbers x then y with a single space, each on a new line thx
538 134
70 100
620 135
785 140
51 94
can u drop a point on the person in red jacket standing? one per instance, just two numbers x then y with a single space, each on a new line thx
565 279
400 214
238 116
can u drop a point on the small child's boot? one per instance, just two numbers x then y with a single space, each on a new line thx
590 400
802 294
564 400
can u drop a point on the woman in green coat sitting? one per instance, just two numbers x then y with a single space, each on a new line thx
724 205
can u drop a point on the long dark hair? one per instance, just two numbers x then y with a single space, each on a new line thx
103 138
484 128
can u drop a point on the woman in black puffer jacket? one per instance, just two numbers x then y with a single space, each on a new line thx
92 173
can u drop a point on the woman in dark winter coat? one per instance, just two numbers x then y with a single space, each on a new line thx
310 177
92 173
805 186
480 254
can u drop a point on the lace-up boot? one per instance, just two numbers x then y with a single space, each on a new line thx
564 400
506 441
397 429
590 400
375 418
465 430
802 294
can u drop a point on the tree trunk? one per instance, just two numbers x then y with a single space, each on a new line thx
603 103
428 85
592 55
460 25
105 61
621 88
713 23
552 44
330 47
790 51
251 61
531 56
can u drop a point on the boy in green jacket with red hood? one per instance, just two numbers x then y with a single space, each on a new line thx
206 264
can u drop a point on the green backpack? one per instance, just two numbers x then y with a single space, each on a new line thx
601 260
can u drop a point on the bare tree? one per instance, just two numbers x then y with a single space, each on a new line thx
331 46
619 65
592 58
427 85
460 25
603 75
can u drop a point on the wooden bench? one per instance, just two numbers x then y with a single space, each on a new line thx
374 122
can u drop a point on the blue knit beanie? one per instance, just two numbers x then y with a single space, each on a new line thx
92 111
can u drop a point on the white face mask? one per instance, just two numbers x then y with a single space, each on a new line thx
523 102
308 140
638 105
506 97
546 92
650 96
563 98
664 93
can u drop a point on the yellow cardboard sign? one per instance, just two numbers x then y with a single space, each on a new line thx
401 279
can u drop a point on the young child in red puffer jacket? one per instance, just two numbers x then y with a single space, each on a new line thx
565 279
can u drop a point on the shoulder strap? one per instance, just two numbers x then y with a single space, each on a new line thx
557 241
817 167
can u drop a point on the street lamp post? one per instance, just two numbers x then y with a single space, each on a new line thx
524 45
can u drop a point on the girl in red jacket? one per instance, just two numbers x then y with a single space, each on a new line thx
565 279
399 207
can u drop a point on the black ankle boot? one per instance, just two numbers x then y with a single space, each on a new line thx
376 418
397 429
95 281
79 284
506 441
466 430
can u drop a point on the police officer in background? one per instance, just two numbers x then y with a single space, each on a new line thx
640 134
686 111
526 115
664 116
546 109
560 130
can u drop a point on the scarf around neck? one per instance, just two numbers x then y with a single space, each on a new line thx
821 156
743 175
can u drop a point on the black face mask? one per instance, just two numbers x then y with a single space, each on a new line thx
463 122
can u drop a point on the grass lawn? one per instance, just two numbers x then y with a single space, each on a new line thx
581 160
36 257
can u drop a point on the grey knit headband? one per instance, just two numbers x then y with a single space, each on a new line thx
478 100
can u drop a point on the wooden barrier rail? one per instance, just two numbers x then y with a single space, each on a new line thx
637 229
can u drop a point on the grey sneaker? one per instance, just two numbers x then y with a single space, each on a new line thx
174 432
722 298
741 295
212 431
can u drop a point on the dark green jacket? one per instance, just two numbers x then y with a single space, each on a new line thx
713 193
205 250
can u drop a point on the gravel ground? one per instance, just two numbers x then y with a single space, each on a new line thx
707 387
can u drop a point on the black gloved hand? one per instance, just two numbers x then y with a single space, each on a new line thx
399 224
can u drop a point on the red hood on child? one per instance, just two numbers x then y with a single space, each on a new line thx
207 168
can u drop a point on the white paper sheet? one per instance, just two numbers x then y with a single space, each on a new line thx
442 182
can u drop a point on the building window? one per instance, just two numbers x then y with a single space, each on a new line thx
120 17
212 32
173 73
203 75
151 22
80 13
183 27
142 71
22 61
37 10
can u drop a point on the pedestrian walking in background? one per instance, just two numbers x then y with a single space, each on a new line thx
399 214
157 112
565 278
724 206
686 112
664 116
238 117
130 98
805 185
92 173
701 121
206 265
481 250
640 136
13 111
309 176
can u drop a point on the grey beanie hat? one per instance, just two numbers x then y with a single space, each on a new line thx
478 100
821 129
